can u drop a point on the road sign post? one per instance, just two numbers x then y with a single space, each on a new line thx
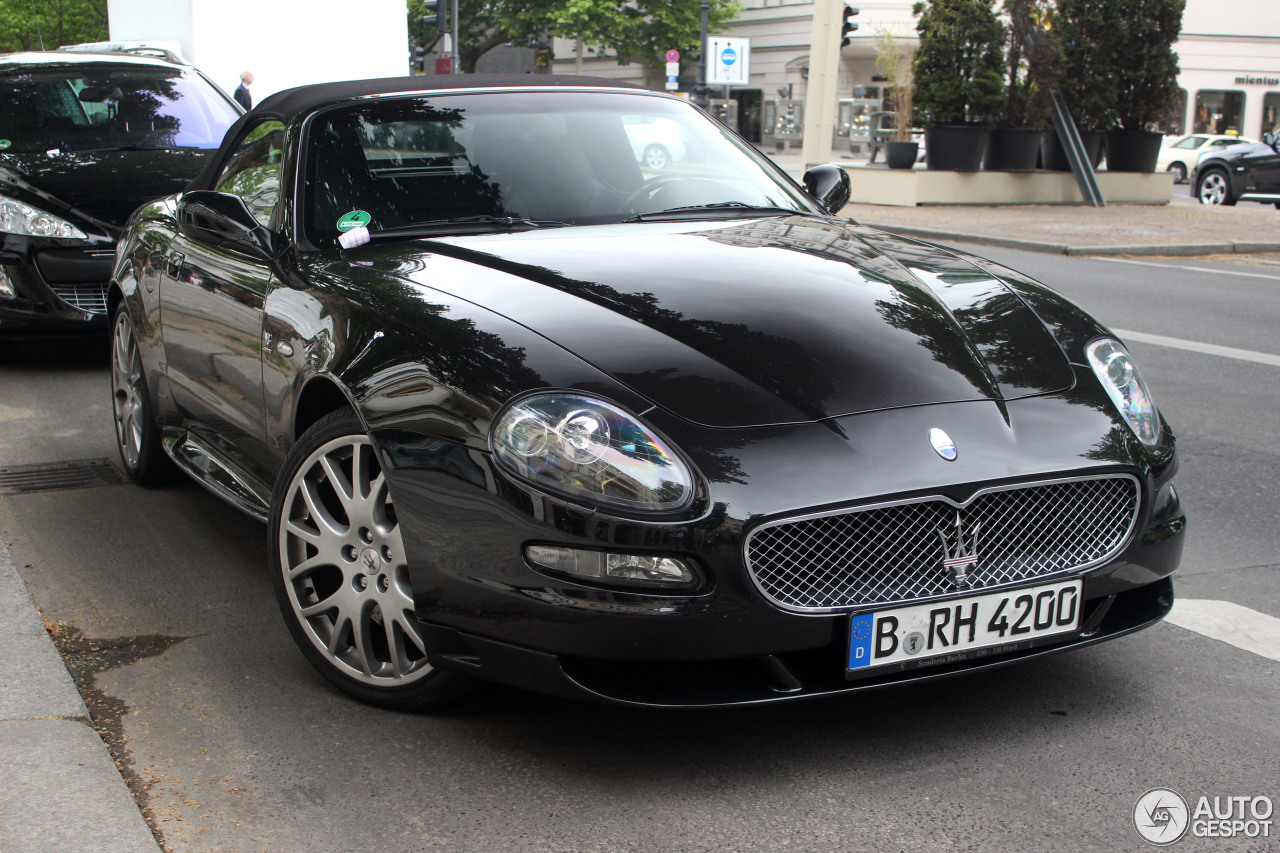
730 63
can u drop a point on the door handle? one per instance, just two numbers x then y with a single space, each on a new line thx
173 265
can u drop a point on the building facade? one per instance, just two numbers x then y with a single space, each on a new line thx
1229 54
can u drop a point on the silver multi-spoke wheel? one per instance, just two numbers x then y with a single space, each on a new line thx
127 391
1213 189
344 567
142 456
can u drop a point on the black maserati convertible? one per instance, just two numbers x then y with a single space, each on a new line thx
519 408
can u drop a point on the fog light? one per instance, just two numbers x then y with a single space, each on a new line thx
7 290
640 570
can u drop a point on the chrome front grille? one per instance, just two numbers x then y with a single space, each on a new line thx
894 552
86 297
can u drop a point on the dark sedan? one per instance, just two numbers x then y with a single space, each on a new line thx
1246 172
85 139
512 411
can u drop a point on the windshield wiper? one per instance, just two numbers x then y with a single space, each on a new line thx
463 225
733 208
129 147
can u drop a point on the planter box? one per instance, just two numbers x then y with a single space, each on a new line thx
878 185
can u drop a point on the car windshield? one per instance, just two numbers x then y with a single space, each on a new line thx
103 106
571 158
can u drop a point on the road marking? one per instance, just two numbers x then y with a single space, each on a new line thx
1189 269
1197 346
1241 627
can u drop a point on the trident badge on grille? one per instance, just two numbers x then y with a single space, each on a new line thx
965 554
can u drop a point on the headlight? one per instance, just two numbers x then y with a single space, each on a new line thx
1118 375
590 451
19 218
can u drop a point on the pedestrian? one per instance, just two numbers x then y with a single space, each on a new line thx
242 96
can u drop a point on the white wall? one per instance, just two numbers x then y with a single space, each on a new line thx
285 43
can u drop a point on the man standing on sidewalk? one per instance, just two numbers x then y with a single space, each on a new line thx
242 96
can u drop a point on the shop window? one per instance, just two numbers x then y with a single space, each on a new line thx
1218 111
1270 113
1175 124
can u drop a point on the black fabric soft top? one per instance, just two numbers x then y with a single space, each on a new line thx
288 104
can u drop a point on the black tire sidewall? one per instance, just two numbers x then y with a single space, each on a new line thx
437 687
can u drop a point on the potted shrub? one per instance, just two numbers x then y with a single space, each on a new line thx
959 80
1032 63
891 61
1144 71
1086 83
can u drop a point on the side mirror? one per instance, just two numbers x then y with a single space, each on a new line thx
830 185
1271 138
222 219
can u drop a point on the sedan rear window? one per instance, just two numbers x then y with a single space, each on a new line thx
102 106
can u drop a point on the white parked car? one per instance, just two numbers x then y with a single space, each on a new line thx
1179 156
656 142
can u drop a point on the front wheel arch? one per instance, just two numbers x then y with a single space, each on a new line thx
340 571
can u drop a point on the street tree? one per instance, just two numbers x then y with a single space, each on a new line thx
25 25
631 30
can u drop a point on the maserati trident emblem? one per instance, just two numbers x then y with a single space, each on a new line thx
943 444
960 559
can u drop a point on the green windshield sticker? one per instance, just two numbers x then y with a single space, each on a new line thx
354 219
4 143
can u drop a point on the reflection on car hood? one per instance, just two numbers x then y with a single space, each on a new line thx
107 185
771 321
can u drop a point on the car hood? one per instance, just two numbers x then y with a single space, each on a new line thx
772 321
106 186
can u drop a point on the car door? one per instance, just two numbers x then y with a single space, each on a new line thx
1263 165
211 304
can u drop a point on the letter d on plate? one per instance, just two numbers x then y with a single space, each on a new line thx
860 629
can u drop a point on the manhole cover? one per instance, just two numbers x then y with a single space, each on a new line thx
53 476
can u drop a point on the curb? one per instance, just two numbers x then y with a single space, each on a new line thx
1234 247
62 791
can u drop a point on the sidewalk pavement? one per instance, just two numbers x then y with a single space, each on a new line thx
60 792
1180 228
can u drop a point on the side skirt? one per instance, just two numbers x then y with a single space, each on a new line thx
216 473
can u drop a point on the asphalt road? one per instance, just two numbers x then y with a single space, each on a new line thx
233 743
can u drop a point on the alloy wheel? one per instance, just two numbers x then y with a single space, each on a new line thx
344 569
126 381
1213 188
656 157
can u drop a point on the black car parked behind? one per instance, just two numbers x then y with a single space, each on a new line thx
84 140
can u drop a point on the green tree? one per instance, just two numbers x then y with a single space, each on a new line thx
1144 66
1033 64
1087 85
24 25
632 30
959 74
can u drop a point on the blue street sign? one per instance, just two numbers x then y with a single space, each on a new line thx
729 56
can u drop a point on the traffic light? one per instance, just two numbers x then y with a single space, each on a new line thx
848 26
433 15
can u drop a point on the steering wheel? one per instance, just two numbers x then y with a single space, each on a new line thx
646 190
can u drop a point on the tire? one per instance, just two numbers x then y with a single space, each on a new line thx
656 157
142 456
1214 187
1179 172
340 573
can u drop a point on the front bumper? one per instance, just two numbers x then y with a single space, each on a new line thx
58 290
487 613
759 679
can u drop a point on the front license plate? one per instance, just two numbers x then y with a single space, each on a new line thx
927 634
